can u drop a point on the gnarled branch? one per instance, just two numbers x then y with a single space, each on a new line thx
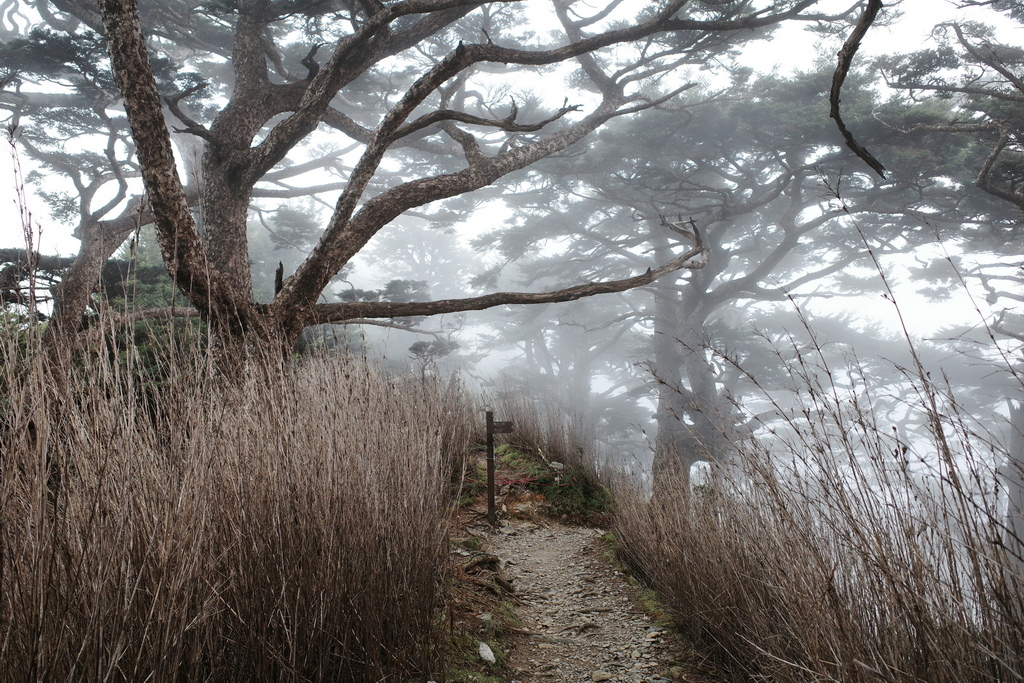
693 259
846 54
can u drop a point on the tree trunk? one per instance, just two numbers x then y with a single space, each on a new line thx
708 417
673 450
692 419
1012 474
574 366
71 296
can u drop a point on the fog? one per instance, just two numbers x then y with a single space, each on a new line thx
745 275
809 259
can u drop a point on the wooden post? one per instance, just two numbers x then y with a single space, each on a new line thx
492 429
492 515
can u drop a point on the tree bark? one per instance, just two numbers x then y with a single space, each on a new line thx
673 448
183 251
692 420
71 296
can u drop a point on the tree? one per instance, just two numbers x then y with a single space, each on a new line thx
986 78
975 83
418 72
581 358
750 171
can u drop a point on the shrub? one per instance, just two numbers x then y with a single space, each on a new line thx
286 524
572 491
834 549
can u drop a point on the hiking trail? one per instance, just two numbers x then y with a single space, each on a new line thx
580 618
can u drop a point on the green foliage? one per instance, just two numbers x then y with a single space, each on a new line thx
1014 8
55 56
924 64
464 663
572 491
395 290
470 676
138 280
294 228
651 603
517 459
507 615
432 349
472 484
472 543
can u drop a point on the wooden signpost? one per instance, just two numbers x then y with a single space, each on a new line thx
492 429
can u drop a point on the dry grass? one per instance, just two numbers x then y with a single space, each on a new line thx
836 550
286 525
545 434
548 431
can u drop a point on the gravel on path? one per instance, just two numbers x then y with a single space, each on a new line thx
580 618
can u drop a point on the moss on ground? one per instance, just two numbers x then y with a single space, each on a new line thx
571 493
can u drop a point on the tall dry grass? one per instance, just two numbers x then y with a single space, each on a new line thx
561 454
837 549
284 525
549 431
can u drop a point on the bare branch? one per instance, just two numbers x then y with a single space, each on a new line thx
328 313
983 175
191 125
440 336
508 124
846 55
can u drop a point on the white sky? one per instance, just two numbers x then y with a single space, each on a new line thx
793 48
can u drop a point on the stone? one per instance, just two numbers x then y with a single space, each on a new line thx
486 653
580 606
488 623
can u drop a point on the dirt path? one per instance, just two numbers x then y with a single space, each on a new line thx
581 620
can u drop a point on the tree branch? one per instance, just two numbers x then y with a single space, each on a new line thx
329 313
507 124
440 336
988 61
191 125
983 175
846 54
183 251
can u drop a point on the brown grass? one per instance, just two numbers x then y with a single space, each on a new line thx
548 431
285 525
836 550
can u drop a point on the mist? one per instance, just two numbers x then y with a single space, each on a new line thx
636 227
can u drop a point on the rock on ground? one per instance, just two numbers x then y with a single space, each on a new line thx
581 621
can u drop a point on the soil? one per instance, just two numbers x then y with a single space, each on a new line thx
575 614
580 619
